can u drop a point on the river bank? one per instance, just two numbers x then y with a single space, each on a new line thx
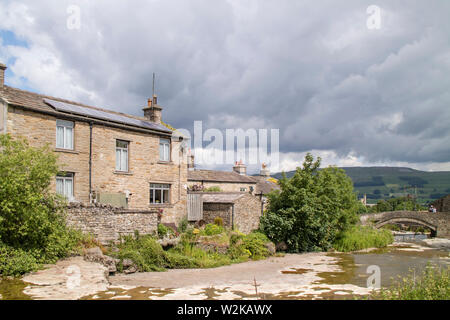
293 276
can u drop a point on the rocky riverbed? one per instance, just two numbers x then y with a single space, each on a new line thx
293 276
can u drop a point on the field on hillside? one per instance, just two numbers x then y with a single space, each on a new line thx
387 182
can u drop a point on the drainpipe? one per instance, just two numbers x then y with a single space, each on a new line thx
90 161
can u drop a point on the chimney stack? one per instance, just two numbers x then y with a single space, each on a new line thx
2 74
153 111
264 171
240 168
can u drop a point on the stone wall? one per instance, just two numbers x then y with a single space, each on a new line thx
144 164
443 204
247 213
107 223
221 210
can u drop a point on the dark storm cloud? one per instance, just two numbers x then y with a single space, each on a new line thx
311 68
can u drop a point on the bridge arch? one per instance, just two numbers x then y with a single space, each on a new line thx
438 223
396 220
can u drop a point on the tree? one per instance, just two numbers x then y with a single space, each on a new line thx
31 216
311 208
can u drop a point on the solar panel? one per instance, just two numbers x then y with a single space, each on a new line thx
103 115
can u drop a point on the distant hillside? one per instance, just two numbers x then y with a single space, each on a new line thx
386 182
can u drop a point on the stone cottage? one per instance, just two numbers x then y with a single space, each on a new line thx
105 156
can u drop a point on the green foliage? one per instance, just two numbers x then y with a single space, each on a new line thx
187 255
251 246
15 262
218 221
213 189
145 252
255 244
363 237
164 231
392 181
183 225
432 284
311 209
396 204
32 224
212 229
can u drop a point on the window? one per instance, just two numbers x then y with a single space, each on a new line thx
164 149
122 155
64 134
64 185
243 189
159 193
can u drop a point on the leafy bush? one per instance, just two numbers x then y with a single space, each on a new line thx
183 225
145 252
255 244
195 257
363 237
32 224
212 229
14 262
432 284
251 246
218 221
311 209
164 231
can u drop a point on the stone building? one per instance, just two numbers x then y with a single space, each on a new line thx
238 210
442 204
105 156
236 180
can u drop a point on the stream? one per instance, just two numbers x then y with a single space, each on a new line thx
302 276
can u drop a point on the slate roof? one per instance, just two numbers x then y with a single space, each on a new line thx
222 197
218 176
35 102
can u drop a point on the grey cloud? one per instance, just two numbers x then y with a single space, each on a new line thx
311 69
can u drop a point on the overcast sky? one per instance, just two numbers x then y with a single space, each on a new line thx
313 69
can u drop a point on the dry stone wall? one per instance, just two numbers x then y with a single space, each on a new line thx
108 223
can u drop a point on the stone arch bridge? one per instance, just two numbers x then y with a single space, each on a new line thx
438 223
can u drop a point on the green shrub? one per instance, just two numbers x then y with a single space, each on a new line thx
164 231
183 225
196 257
251 246
363 237
212 229
432 284
255 244
15 262
218 221
311 208
145 252
31 217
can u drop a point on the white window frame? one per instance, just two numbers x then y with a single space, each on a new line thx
65 179
165 155
159 187
119 165
65 125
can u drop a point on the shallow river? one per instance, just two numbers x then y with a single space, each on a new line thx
315 276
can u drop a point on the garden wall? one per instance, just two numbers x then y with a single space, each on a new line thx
107 223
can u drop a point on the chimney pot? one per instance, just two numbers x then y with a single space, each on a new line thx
153 112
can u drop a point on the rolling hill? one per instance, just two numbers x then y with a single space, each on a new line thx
386 182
